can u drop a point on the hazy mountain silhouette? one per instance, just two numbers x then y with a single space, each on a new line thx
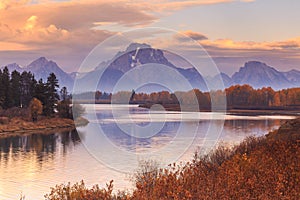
41 68
254 73
134 56
258 74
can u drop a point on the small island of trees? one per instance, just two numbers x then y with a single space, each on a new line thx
18 89
23 99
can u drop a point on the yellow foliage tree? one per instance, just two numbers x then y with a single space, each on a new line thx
36 108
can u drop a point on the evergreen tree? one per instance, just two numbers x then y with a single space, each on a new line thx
15 84
2 95
32 86
51 96
40 91
27 88
6 88
63 107
64 94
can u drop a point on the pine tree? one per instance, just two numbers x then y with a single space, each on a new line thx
6 88
64 94
40 91
63 107
51 96
27 88
2 95
15 88
32 86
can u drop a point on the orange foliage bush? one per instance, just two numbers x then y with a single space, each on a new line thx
79 192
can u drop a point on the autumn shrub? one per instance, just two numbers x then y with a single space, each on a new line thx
219 155
36 108
79 191
271 171
250 144
258 168
146 174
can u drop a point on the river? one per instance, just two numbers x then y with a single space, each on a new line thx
110 147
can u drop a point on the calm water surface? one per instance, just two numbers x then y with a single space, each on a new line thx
30 165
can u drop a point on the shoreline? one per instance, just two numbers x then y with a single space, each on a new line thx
263 112
19 127
233 111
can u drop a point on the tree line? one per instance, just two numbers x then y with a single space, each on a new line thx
18 89
238 96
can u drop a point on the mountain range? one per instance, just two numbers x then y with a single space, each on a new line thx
254 73
41 68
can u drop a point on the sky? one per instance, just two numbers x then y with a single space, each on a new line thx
231 31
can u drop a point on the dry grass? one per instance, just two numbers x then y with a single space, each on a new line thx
18 126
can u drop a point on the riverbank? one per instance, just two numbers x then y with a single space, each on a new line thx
233 111
255 112
17 126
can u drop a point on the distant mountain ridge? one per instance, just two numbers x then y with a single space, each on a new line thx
41 68
258 74
293 76
254 73
134 56
14 66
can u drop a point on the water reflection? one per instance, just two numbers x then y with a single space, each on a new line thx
252 124
34 163
113 132
235 131
30 164
43 146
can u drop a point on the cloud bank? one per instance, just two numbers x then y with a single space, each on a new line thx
67 30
